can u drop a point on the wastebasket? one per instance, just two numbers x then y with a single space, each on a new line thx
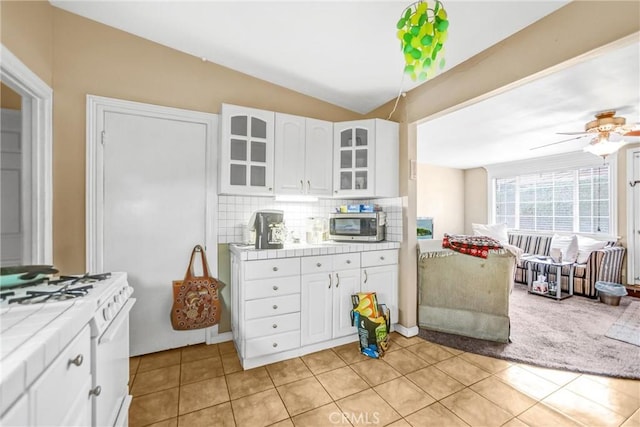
610 292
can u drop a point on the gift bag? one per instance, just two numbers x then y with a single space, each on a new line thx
195 299
373 323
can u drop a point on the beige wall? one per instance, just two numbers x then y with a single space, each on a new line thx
27 30
566 34
78 56
92 58
440 194
475 198
9 98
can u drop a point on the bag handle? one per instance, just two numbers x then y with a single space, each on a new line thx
205 266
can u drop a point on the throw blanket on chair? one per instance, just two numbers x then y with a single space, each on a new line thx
471 245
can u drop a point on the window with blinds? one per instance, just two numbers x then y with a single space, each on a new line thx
575 200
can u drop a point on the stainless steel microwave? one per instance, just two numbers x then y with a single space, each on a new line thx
358 226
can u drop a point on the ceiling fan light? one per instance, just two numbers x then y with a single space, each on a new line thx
604 147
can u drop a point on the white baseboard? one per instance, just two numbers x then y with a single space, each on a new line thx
214 338
407 332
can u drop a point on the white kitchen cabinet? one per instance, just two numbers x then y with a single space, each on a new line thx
380 275
265 297
366 158
61 395
328 282
299 304
18 414
246 162
303 156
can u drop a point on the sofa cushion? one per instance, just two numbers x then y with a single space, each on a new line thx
568 246
586 245
496 231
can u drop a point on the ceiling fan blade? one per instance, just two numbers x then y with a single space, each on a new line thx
571 133
557 142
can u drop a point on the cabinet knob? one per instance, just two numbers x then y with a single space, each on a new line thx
274 326
318 265
275 268
95 391
275 288
275 344
76 360
381 258
348 261
275 307
270 188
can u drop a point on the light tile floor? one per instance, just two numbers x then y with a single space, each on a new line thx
417 383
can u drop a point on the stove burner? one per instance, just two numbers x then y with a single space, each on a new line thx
63 293
5 295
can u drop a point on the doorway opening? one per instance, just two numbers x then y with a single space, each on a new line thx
34 188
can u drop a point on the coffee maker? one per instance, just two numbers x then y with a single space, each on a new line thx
269 229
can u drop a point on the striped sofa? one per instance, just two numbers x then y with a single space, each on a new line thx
603 265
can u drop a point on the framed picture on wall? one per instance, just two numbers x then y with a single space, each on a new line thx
424 227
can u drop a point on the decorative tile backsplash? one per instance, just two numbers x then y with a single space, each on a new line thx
234 213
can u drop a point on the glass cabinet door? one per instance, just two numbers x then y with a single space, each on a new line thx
248 140
354 159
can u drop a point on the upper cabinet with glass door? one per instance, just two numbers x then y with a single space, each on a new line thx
366 159
246 151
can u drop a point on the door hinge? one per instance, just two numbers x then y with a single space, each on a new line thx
103 137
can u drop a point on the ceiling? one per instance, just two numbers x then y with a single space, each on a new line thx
342 52
505 127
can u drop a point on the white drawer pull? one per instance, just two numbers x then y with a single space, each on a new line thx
275 307
275 288
275 344
95 391
318 265
348 261
274 326
76 361
275 268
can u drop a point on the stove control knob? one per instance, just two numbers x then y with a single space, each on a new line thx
106 313
117 298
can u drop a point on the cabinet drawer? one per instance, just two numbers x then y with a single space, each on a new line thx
317 264
268 268
346 261
375 258
266 307
63 370
272 325
272 287
273 344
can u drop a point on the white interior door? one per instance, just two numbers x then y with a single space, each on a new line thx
11 189
156 201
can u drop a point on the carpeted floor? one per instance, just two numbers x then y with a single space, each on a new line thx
569 334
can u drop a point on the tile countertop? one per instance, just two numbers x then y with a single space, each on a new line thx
249 253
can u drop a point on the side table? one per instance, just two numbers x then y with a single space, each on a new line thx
546 261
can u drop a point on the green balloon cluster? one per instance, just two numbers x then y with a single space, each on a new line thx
422 32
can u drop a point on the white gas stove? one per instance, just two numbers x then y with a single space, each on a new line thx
36 320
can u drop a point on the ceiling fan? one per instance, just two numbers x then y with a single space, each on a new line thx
607 134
